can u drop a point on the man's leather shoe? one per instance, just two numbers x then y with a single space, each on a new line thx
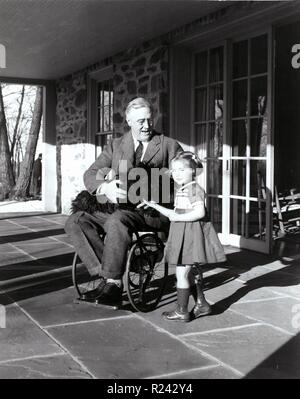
176 315
90 296
111 294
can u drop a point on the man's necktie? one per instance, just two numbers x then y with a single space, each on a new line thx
138 154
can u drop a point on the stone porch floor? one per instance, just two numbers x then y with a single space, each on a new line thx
252 333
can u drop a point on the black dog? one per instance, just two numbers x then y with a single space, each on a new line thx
87 202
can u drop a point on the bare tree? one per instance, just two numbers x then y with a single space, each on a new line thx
16 128
23 183
6 172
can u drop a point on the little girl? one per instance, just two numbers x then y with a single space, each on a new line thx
192 239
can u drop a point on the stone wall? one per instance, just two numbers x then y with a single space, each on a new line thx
71 115
141 71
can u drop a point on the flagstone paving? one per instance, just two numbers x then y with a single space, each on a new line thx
21 338
128 347
56 366
243 348
253 331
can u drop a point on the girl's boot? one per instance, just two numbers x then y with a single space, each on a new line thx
202 307
181 312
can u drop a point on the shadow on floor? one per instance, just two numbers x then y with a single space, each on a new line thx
57 281
15 215
41 286
287 276
22 269
34 278
31 235
283 364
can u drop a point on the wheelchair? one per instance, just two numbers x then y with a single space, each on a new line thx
145 274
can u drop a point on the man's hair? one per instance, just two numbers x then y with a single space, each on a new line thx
138 102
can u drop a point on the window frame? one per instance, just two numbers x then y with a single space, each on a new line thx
94 80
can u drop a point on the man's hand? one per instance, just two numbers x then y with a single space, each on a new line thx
112 191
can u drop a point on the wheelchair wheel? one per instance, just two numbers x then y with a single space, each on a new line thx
83 280
146 272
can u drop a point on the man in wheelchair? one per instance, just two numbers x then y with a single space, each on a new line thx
105 206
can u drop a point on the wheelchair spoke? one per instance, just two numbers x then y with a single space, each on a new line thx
83 280
145 273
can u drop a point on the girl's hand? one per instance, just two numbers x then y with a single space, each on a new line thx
147 204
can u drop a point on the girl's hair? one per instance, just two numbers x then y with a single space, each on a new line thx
190 158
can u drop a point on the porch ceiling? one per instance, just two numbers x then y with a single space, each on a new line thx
47 39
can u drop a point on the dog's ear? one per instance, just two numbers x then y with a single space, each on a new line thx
74 205
87 202
73 208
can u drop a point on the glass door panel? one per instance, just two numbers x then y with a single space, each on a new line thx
257 226
238 216
239 95
250 137
215 206
208 125
214 177
239 138
201 102
238 177
240 59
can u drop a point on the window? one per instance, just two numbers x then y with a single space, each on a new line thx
104 131
100 108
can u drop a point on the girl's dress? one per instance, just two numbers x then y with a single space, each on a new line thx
192 242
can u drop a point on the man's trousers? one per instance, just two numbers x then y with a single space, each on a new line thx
108 258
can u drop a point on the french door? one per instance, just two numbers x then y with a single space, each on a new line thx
232 134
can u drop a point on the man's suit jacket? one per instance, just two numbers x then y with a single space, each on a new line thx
160 150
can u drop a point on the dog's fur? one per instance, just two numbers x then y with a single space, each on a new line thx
87 202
